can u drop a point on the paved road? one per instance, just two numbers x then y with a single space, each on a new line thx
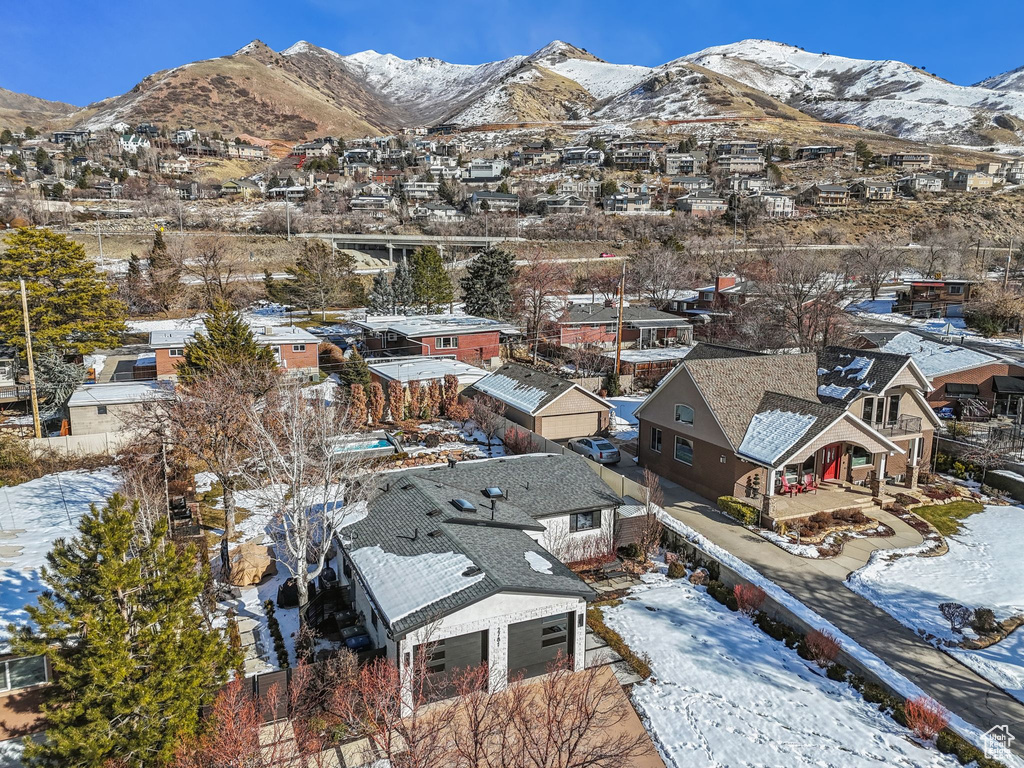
819 584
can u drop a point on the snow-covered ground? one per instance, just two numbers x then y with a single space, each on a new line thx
624 423
33 515
723 693
983 568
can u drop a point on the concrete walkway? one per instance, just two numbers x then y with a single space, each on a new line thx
819 584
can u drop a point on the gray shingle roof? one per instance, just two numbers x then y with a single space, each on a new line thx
591 313
704 351
412 514
839 383
522 388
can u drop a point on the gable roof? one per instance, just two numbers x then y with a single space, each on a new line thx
782 424
935 359
845 373
526 389
463 557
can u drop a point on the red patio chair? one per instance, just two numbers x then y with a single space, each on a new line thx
810 484
787 488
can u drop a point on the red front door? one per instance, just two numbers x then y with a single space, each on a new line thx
830 461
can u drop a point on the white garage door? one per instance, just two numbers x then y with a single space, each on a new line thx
570 425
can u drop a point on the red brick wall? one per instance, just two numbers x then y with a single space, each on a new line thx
471 346
981 376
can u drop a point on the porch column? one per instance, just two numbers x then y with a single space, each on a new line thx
878 477
770 490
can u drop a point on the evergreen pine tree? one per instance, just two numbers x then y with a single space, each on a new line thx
71 305
354 370
227 343
133 659
487 284
380 300
431 286
164 274
402 293
158 258
58 380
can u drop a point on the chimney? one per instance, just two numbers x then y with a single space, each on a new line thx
723 282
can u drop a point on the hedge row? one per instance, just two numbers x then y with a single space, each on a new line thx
739 510
275 633
595 620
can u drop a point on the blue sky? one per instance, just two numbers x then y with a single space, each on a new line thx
83 50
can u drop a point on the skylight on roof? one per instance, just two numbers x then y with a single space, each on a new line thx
493 493
464 505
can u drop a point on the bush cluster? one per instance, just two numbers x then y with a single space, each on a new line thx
738 510
820 522
275 633
676 570
723 594
595 620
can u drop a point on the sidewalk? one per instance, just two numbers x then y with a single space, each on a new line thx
819 584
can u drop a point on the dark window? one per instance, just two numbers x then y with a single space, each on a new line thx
656 439
585 521
684 451
101 410
860 457
894 408
684 414
22 673
298 347
869 410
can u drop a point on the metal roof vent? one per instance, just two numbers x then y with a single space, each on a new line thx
472 571
463 505
494 493
434 512
435 533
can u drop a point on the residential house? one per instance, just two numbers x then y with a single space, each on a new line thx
685 184
686 163
295 350
1014 173
967 181
420 190
909 160
177 166
184 136
538 155
573 156
495 202
825 196
132 143
115 407
378 205
319 148
466 562
750 184
423 369
873 191
293 192
642 326
970 382
920 182
588 189
933 298
74 138
777 205
481 170
721 297
246 151
730 422
625 203
562 204
201 150
467 338
819 152
702 204
634 158
548 405
992 168
437 212
746 163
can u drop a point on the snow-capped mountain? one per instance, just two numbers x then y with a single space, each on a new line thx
1007 81
888 96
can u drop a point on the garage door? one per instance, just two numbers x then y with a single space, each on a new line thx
533 645
445 658
570 425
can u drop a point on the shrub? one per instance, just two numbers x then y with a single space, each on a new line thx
905 499
958 616
951 743
722 594
984 621
822 646
432 440
925 717
748 597
595 620
836 672
677 570
631 551
873 693
739 510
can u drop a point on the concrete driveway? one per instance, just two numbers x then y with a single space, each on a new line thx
819 584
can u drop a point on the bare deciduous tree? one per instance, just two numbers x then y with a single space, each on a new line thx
874 260
540 289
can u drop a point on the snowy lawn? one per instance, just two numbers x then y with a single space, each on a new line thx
32 516
624 422
723 693
983 568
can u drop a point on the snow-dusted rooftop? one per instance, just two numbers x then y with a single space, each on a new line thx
116 393
522 396
653 355
426 369
935 359
773 433
269 335
429 325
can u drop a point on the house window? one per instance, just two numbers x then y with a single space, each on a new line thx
585 521
298 347
176 352
684 451
709 296
956 290
684 414
894 408
373 618
392 337
868 413
656 439
859 457
101 410
446 342
22 673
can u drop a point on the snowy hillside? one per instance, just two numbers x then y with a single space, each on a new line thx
1007 81
889 96
600 78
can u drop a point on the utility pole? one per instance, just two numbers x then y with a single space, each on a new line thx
1006 274
618 328
99 238
31 364
288 215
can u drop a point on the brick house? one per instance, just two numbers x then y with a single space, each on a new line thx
467 338
933 298
596 324
729 422
295 350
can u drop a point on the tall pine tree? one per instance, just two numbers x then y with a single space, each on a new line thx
71 306
402 294
164 273
354 370
133 658
227 343
487 284
380 300
431 286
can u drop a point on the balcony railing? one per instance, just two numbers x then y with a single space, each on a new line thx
904 425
